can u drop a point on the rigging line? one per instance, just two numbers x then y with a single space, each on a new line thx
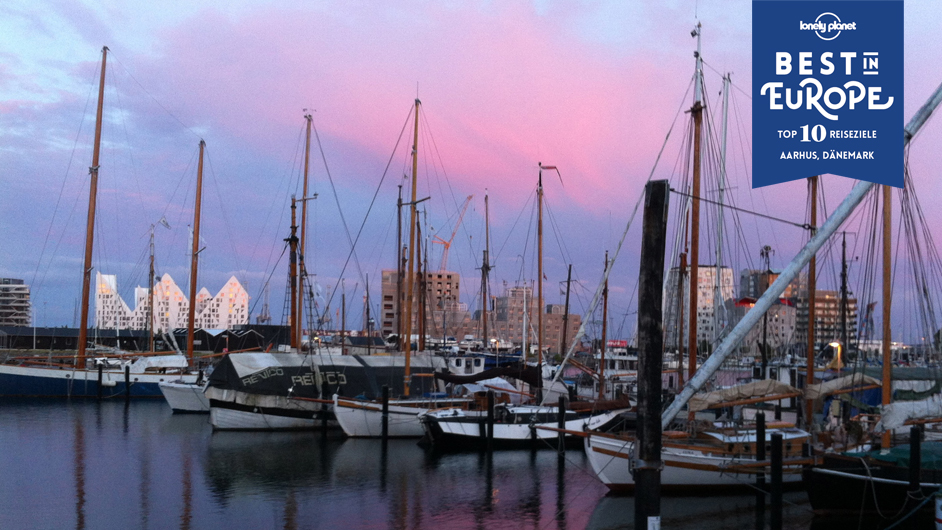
225 216
114 57
372 202
65 178
333 188
806 226
598 292
730 81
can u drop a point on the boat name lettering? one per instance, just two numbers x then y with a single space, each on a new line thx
335 378
261 375
306 379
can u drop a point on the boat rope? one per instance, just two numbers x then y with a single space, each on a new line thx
369 209
805 226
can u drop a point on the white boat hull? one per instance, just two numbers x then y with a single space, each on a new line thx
364 419
185 397
684 469
232 410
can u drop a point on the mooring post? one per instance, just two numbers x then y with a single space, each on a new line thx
127 381
760 476
561 424
775 518
647 466
385 412
100 368
490 420
915 457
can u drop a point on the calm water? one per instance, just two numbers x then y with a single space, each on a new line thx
89 465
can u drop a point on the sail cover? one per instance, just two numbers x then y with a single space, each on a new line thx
318 376
896 414
766 387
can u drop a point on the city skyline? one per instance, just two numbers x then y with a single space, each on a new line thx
593 90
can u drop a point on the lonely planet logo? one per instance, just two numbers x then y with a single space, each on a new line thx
827 26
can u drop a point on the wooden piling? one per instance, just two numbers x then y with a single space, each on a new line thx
490 420
775 518
760 477
127 381
647 469
561 424
100 368
915 458
385 412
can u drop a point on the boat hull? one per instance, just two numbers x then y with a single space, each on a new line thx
32 381
185 398
471 432
232 410
364 419
842 487
686 470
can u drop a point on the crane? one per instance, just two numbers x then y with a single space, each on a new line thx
447 244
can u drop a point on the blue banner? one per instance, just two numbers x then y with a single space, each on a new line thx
827 90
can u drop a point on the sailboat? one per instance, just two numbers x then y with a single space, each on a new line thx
723 455
93 373
891 479
185 396
522 425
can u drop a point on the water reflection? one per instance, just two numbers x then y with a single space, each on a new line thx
114 466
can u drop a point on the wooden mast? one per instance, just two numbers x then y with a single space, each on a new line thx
293 274
812 294
485 269
90 225
399 259
302 272
407 380
539 283
693 283
150 293
887 302
194 257
604 331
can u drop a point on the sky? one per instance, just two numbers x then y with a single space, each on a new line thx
593 88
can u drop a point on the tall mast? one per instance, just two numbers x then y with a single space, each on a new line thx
407 380
843 306
343 317
539 283
887 302
293 275
399 257
302 270
194 257
604 331
485 269
150 293
718 305
564 346
420 287
90 226
693 283
812 295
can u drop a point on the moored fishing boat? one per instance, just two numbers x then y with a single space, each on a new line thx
705 462
87 376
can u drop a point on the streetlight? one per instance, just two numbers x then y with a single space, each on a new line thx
836 362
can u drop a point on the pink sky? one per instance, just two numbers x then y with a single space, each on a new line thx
590 87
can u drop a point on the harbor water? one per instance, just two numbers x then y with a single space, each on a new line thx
83 464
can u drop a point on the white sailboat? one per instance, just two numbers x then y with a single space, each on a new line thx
93 373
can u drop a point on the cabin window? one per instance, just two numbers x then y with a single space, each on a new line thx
477 362
458 362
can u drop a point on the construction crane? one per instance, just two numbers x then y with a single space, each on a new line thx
447 244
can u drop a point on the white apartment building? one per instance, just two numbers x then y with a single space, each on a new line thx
706 286
227 309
